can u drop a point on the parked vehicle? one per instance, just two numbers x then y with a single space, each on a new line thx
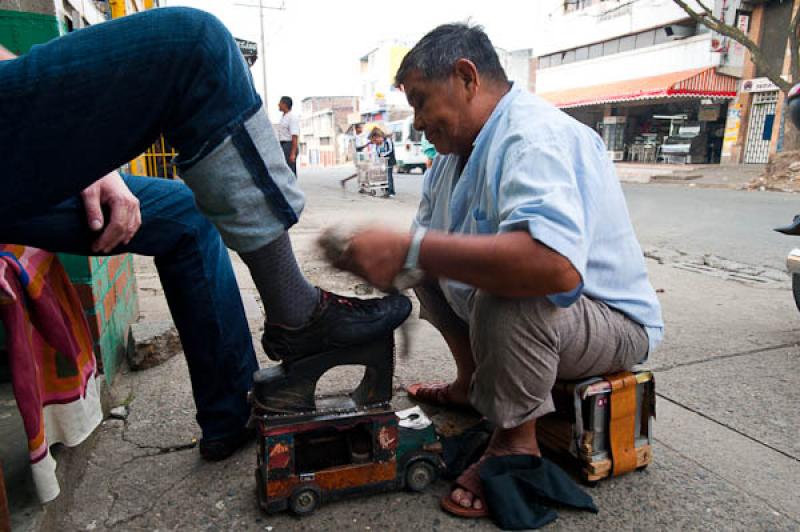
793 260
408 150
303 464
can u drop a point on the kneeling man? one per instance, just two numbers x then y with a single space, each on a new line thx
533 268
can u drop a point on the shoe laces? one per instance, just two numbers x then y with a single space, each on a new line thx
353 303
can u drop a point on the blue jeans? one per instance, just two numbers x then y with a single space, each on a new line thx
198 282
80 106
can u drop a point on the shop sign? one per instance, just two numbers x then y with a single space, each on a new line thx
758 85
732 126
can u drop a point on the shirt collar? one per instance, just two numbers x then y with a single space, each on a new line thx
498 111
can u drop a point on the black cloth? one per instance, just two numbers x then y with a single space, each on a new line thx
519 491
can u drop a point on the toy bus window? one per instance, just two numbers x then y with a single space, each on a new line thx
326 448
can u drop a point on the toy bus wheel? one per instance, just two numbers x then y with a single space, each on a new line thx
304 502
419 476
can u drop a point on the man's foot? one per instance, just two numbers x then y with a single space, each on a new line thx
440 394
222 448
466 499
338 321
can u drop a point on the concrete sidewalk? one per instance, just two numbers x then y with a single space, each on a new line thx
727 455
701 175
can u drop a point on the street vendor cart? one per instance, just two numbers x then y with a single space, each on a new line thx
372 176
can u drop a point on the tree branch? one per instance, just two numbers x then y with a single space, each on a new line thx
759 58
794 47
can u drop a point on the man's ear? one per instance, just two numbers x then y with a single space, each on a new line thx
466 73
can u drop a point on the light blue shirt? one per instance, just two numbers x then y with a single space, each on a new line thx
534 168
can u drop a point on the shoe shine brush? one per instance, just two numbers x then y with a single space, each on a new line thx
334 242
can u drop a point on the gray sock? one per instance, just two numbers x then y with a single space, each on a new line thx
288 297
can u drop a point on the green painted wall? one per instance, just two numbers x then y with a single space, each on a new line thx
20 30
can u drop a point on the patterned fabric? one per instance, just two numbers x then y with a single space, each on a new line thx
53 367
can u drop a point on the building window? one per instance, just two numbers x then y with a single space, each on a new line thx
627 43
611 47
645 39
324 141
575 5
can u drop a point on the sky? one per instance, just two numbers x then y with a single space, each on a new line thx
314 46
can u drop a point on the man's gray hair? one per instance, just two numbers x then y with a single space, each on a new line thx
437 52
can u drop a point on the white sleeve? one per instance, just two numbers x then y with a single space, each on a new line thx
294 125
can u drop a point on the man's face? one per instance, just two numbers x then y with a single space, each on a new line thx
283 107
359 130
441 110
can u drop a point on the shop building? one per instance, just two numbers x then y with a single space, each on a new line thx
652 82
756 121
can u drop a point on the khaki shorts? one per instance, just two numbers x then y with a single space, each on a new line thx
522 345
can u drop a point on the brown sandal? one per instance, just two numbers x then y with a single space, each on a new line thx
434 393
470 481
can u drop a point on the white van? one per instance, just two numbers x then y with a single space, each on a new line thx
407 148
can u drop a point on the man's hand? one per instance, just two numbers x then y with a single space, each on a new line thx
292 157
124 217
377 255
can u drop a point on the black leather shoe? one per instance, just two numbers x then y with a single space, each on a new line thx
222 448
337 322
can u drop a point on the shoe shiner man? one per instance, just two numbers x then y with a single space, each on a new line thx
534 271
75 109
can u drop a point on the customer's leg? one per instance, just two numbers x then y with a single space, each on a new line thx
178 71
199 285
79 106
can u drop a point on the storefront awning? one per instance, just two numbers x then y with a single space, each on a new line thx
697 83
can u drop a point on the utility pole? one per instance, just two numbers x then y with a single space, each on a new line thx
261 7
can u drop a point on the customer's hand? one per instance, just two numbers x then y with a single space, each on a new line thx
124 216
5 55
377 255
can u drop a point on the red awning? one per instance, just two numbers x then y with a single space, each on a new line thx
697 83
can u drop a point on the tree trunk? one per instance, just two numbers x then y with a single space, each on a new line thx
791 135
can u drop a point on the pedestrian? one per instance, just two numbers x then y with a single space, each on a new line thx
288 132
532 268
384 148
182 75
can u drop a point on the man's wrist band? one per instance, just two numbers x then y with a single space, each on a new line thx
412 259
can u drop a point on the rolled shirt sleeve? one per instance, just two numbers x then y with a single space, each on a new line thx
294 125
538 193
